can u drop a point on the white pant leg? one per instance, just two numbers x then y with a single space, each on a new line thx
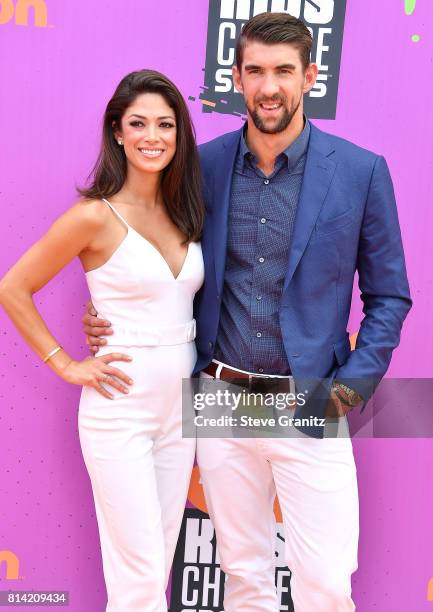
136 459
173 454
174 459
240 492
130 526
317 490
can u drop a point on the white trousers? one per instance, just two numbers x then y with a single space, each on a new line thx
140 467
315 481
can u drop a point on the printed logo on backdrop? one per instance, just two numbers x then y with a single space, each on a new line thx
9 565
24 12
324 19
197 579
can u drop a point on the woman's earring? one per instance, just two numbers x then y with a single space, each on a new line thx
120 141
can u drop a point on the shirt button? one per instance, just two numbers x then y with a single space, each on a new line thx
266 181
259 334
258 297
261 370
262 220
261 259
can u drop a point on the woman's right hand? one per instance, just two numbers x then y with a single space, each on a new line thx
96 371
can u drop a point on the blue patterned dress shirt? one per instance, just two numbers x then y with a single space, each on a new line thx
260 226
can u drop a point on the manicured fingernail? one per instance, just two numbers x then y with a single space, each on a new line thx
93 312
107 324
131 382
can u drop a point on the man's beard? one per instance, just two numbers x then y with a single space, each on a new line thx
283 122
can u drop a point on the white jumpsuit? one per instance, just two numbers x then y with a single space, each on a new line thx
139 464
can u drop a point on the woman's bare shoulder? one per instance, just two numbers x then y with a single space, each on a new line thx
92 213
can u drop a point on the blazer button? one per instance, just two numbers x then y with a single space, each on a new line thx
210 345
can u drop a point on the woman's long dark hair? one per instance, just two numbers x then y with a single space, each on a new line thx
180 182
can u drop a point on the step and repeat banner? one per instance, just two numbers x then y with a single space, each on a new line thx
59 63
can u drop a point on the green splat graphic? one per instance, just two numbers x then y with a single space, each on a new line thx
409 6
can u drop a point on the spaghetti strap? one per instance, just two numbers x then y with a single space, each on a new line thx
116 212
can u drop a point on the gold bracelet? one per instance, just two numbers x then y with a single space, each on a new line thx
52 353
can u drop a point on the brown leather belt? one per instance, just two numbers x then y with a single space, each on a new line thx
262 383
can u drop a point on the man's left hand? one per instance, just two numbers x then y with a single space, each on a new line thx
340 402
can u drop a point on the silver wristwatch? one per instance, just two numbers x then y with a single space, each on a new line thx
351 397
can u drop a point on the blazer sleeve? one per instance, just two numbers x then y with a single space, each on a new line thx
383 284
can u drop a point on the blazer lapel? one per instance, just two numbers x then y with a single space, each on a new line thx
221 202
318 175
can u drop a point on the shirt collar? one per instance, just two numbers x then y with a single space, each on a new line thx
293 152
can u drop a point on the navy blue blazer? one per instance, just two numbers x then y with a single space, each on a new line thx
346 221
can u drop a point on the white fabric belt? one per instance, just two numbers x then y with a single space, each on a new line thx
156 336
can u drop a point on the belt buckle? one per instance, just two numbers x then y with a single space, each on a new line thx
258 384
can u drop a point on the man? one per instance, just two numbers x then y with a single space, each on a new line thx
292 212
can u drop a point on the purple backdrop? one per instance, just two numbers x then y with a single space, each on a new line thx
55 82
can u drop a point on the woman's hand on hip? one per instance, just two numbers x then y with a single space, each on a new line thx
97 371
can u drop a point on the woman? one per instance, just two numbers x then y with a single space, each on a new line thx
136 232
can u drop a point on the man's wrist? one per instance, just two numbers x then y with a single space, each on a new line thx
346 395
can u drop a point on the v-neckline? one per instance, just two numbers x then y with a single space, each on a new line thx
152 246
129 227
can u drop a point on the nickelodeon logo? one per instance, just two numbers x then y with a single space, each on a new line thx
12 564
21 9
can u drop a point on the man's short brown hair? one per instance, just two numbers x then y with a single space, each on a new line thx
274 28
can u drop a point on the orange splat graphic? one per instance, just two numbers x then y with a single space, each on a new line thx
196 495
352 339
12 564
430 590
